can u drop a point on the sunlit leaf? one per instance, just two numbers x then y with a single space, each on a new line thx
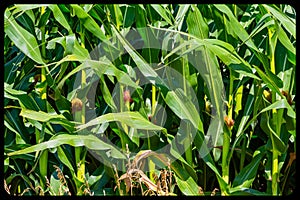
89 141
24 40
132 119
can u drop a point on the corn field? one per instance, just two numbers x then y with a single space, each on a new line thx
149 99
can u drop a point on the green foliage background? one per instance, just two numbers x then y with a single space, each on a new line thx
250 48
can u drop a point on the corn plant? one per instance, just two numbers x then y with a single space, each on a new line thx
149 99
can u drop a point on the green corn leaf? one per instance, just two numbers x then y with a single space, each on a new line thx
179 19
199 138
147 35
143 66
188 186
271 83
208 67
160 159
281 104
40 115
64 159
184 165
47 117
26 22
196 23
207 158
13 123
247 111
107 95
183 107
71 46
248 173
286 22
278 144
276 105
24 40
59 16
238 30
236 27
162 12
89 141
100 67
24 100
132 119
25 7
88 22
284 39
55 186
240 191
116 15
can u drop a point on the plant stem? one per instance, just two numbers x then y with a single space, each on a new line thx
151 164
123 108
80 117
275 172
43 161
230 97
227 134
204 177
188 142
243 153
225 151
153 100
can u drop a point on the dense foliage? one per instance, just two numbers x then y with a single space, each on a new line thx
78 120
